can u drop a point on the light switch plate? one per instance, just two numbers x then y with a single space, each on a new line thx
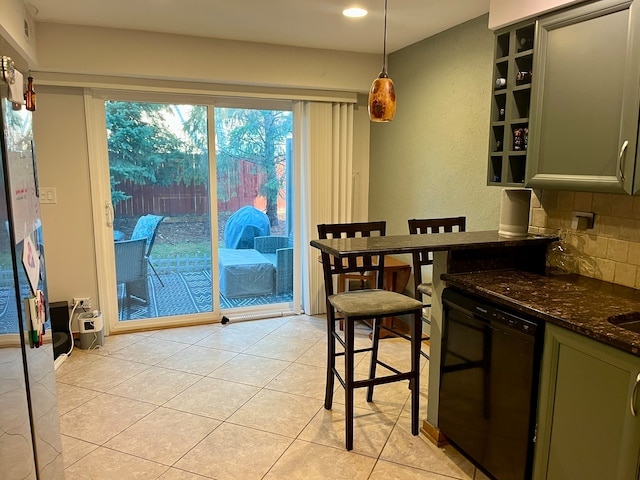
48 195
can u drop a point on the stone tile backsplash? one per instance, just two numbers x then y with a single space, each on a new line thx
610 250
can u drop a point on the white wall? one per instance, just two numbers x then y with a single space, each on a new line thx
61 149
431 161
13 15
127 53
507 12
161 59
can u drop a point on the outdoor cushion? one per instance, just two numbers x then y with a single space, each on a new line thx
245 273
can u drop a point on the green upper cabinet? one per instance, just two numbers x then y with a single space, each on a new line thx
583 124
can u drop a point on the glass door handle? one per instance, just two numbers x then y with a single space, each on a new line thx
109 213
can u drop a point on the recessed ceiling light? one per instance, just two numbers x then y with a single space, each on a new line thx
354 12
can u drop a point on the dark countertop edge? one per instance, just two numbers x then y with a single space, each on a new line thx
600 330
399 244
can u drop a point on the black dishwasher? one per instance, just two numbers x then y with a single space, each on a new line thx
489 384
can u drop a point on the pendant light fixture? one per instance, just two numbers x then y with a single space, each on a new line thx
382 96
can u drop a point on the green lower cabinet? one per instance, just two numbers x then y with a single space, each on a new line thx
586 427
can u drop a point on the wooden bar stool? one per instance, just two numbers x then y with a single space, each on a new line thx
423 258
367 304
360 280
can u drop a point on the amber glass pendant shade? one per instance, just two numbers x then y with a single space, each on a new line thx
382 99
382 96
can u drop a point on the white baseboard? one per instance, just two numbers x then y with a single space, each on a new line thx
59 361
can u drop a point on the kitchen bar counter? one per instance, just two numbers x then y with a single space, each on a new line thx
574 302
397 244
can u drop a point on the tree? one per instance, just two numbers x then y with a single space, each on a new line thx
259 137
143 148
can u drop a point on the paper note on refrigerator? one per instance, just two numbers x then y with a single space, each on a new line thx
31 263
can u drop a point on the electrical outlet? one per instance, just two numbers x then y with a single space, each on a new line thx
82 302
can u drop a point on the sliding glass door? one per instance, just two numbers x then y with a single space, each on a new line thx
253 158
188 244
159 177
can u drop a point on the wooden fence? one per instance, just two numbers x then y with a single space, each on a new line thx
179 199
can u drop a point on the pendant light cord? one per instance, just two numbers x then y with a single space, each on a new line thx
384 43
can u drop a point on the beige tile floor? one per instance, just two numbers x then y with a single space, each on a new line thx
236 401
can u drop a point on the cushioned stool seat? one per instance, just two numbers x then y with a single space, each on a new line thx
365 303
425 288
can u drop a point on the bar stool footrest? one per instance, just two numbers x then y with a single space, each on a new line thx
369 382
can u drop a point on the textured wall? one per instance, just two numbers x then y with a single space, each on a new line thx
609 251
431 161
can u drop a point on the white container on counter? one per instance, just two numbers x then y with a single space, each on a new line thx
514 212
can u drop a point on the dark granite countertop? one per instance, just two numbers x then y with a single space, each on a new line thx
574 302
397 244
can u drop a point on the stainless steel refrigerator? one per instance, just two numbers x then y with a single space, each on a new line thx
30 443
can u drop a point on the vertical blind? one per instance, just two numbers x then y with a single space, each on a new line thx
324 134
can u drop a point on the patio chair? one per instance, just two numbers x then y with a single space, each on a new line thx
279 251
131 268
147 228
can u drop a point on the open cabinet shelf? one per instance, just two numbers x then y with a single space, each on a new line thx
510 105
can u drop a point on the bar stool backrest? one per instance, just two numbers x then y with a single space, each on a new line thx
355 266
426 226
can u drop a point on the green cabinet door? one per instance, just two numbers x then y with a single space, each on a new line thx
586 428
585 99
